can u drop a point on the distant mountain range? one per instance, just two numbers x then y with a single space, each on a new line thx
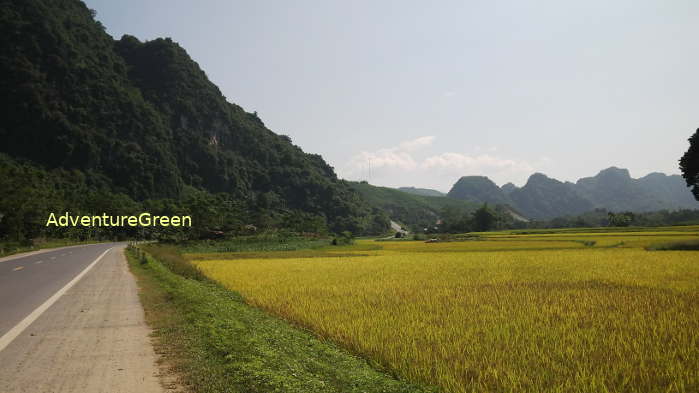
613 189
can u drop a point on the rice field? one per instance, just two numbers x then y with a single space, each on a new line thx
506 313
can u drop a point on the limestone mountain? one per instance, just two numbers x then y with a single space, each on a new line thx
478 189
543 197
508 188
613 189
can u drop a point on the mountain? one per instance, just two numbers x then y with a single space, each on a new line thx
479 189
612 189
142 119
543 197
671 189
415 211
508 188
422 191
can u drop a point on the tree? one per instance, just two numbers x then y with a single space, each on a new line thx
484 219
689 164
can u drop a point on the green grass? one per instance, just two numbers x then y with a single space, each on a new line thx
217 343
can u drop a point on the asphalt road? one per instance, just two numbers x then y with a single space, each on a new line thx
27 282
86 329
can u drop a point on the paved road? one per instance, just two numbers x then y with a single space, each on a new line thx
27 282
93 338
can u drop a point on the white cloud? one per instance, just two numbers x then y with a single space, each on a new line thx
483 163
407 164
415 144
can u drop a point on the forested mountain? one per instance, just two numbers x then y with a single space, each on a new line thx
141 120
422 191
612 189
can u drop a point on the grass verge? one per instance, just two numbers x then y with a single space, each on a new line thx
216 342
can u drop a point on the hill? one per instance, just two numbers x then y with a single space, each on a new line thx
415 211
141 120
422 191
478 189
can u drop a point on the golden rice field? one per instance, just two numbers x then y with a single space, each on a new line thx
508 313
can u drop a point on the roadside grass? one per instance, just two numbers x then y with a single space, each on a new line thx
216 342
10 248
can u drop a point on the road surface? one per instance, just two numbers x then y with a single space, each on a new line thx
71 321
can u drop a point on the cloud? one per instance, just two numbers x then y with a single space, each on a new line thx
408 164
415 144
398 157
483 163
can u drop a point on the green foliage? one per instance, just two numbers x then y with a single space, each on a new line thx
484 219
343 239
620 219
415 211
141 124
689 164
604 218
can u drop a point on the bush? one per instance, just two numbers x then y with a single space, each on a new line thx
343 238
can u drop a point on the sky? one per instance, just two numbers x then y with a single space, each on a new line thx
416 93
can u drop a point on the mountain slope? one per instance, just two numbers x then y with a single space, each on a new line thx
142 119
415 211
543 197
422 191
478 189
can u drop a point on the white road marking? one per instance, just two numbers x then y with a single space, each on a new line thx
38 262
7 338
18 268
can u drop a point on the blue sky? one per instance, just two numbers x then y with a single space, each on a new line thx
421 93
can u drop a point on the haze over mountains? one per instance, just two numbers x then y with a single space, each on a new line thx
613 189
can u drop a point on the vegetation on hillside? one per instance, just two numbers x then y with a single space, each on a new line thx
99 125
417 212
689 164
